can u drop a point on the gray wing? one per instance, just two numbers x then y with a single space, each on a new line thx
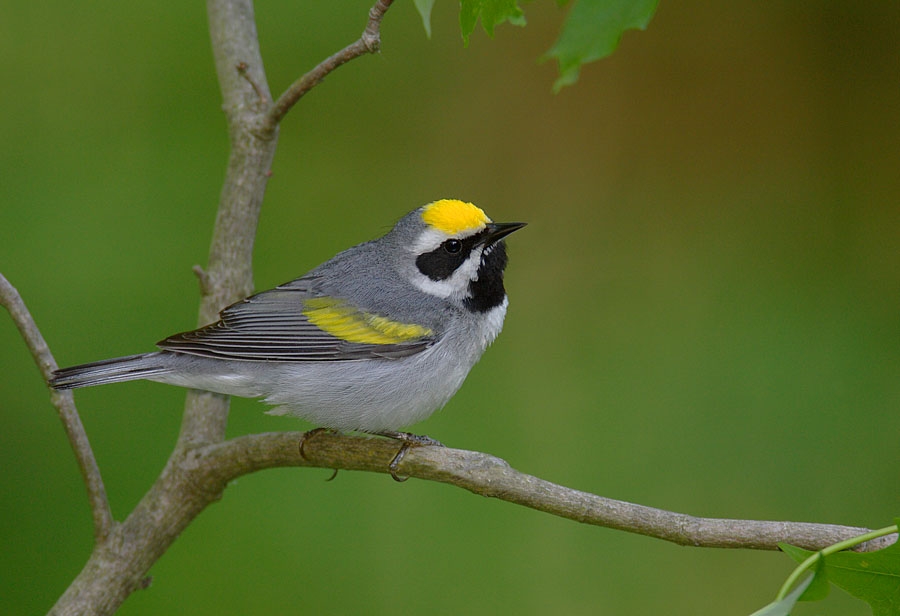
272 326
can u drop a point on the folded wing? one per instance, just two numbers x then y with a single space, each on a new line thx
292 323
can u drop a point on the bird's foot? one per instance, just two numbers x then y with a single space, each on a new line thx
408 440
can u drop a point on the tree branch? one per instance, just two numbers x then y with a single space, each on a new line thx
253 131
65 407
229 273
368 42
487 475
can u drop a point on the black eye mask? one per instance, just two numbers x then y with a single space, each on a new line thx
440 263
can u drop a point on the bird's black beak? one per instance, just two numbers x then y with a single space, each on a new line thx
498 230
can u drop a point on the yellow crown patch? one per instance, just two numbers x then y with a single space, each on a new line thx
453 216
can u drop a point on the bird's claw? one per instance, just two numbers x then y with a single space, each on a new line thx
408 440
307 436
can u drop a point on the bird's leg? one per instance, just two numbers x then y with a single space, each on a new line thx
407 440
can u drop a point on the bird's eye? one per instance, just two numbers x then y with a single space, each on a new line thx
453 246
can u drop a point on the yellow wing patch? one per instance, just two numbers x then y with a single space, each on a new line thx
347 323
453 216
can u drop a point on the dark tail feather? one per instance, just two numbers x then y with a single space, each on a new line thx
109 371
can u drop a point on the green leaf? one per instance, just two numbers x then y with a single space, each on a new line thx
491 12
819 587
424 7
873 577
593 30
784 606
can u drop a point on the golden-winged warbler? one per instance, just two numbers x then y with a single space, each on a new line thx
375 339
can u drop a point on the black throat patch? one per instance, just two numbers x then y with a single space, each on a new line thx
487 292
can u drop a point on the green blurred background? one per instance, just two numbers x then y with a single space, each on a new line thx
704 307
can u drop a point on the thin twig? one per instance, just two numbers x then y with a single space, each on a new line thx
487 475
65 406
368 42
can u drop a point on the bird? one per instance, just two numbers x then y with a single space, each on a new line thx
373 340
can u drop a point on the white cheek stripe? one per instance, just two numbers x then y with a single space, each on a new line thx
457 284
438 288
